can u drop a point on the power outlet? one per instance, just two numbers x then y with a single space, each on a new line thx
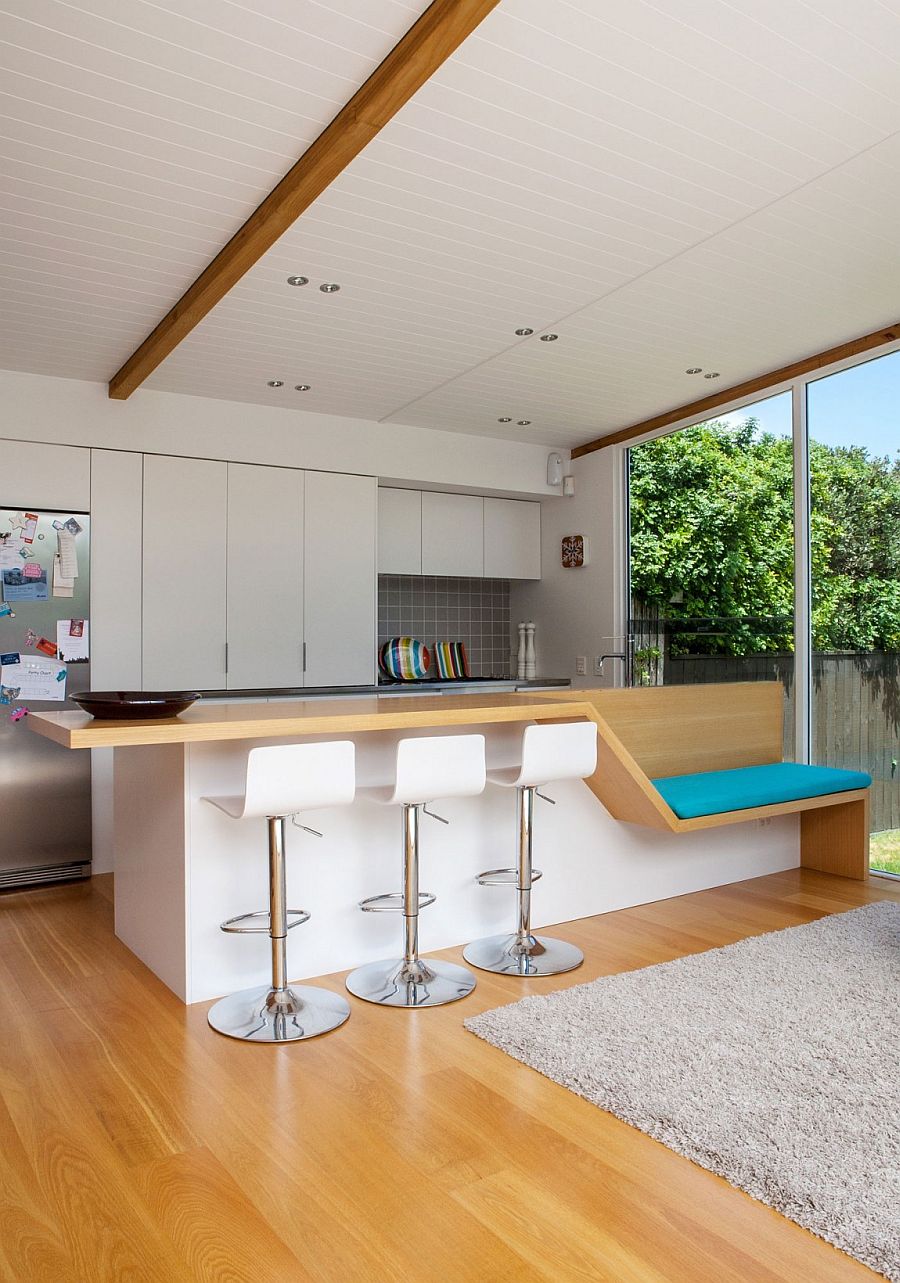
581 665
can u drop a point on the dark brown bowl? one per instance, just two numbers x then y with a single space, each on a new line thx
135 704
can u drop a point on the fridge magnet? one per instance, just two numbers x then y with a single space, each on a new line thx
16 587
57 525
13 657
30 528
46 647
574 552
72 526
32 570
31 637
6 611
9 694
17 714
61 675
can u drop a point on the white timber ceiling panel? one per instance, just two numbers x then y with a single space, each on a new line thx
137 136
663 185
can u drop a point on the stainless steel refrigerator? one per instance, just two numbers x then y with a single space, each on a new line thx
45 790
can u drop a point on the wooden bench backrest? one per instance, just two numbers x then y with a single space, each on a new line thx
676 730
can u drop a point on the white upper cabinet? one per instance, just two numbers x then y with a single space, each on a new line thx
35 475
399 532
340 523
512 539
184 573
265 576
452 534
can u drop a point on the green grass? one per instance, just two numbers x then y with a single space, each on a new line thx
885 851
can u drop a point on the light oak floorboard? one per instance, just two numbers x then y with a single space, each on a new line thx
136 1144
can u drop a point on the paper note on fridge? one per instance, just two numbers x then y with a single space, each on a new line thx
17 588
37 678
68 554
72 640
62 587
11 553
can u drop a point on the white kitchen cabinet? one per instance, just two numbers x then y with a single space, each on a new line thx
512 539
452 534
399 531
340 536
184 538
117 480
39 476
264 576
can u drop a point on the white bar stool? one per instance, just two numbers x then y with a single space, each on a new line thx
426 768
567 751
283 780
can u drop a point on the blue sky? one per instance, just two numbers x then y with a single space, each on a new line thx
860 406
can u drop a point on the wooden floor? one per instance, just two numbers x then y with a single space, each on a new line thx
136 1144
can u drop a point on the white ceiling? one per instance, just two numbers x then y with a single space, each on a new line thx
690 182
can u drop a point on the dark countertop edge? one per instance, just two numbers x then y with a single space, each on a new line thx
385 688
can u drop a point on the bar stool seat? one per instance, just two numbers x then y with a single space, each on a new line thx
563 751
283 780
440 766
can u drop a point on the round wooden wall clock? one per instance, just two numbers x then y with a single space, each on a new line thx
574 552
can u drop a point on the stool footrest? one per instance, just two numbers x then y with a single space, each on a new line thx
503 877
393 902
233 924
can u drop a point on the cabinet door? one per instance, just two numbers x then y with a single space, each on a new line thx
340 524
452 534
399 532
265 576
184 574
512 539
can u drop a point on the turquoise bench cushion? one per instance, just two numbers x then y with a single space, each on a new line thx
712 792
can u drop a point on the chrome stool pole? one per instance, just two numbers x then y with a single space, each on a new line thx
278 1012
409 981
522 953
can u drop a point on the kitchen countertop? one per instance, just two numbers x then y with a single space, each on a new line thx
389 688
245 720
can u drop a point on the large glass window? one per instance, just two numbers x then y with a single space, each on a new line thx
712 553
854 435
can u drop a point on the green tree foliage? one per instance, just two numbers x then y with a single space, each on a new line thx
712 539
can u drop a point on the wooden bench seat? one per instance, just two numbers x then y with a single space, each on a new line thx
658 733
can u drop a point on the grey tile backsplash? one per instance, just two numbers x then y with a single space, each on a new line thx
432 608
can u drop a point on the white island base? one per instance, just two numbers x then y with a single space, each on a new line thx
182 866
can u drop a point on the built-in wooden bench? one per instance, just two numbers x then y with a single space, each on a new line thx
655 733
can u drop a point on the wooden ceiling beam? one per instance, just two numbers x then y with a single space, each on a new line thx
702 409
440 30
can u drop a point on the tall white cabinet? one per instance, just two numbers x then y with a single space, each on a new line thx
184 581
340 581
264 576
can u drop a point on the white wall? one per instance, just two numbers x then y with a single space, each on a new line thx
576 612
69 412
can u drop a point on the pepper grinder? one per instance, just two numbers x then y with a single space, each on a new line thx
520 655
530 673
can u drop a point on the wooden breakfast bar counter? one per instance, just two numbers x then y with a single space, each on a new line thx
182 867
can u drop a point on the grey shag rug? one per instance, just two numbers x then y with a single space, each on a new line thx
774 1062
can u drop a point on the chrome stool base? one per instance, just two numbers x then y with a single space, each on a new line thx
423 982
513 955
264 1014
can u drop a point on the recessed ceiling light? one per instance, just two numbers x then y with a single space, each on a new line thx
298 280
275 383
301 387
713 375
549 338
508 419
329 288
524 332
694 369
522 423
